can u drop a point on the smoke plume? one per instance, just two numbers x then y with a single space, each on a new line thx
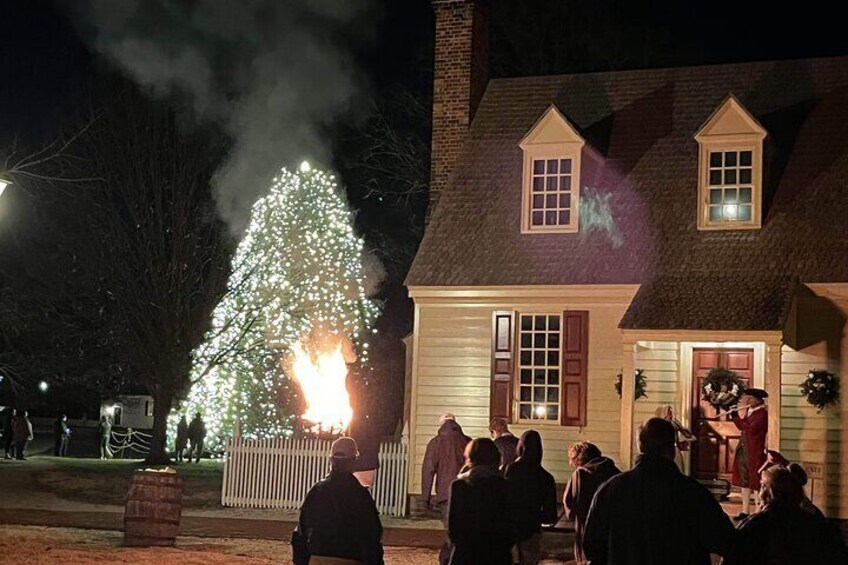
273 73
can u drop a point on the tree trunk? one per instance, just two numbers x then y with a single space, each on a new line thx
158 454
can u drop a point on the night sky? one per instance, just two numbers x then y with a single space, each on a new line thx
46 67
50 74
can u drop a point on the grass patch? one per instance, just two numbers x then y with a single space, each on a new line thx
107 482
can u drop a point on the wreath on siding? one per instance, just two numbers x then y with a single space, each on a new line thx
640 384
821 388
722 387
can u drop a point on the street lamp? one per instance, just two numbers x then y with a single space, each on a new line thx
3 184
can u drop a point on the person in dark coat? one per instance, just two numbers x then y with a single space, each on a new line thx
443 460
367 436
61 436
751 451
506 443
783 533
479 515
339 522
104 430
181 441
196 435
592 469
21 433
8 433
534 500
653 514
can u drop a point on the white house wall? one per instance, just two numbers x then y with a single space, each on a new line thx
806 434
660 361
452 371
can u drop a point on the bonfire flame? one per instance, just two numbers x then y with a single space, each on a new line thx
322 376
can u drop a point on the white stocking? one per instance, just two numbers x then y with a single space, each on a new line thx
746 500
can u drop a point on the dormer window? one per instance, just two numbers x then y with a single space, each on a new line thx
551 180
730 169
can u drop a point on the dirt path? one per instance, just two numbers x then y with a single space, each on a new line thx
38 545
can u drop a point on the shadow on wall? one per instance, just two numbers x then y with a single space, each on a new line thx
818 320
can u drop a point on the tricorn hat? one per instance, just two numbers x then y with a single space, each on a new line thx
756 393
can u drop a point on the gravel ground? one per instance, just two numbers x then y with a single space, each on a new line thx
37 545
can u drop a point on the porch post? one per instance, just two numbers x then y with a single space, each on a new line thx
773 388
628 392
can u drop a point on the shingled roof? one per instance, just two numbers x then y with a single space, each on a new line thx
642 124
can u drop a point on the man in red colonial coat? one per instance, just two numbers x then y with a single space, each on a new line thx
752 420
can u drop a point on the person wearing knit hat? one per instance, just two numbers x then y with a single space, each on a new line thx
339 523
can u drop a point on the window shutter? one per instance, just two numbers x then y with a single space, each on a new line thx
575 347
503 355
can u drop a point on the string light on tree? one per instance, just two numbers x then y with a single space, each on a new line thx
299 266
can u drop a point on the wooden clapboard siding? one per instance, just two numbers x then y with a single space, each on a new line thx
453 374
806 434
660 361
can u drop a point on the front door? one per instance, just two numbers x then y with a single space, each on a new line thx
712 453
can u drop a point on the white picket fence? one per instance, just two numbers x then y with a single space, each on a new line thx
277 473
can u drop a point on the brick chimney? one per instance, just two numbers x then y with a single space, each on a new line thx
460 77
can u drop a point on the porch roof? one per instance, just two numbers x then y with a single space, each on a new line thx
709 302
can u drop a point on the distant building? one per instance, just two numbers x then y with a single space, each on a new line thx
129 411
673 220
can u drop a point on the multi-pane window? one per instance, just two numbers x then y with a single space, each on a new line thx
730 186
551 196
539 366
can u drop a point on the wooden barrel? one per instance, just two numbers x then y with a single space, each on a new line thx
154 506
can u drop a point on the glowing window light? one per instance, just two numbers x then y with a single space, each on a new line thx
731 211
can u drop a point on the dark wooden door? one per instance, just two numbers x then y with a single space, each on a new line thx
712 453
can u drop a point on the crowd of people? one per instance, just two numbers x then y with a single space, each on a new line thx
494 497
17 433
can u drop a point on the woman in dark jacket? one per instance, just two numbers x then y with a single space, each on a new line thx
479 523
533 492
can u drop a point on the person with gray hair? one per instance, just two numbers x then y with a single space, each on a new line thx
339 523
443 461
506 443
653 514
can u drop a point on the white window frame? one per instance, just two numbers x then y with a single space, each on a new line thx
756 149
552 137
518 366
748 137
557 152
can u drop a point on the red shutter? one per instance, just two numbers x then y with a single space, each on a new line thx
503 332
575 347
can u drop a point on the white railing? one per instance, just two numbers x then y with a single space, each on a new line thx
277 473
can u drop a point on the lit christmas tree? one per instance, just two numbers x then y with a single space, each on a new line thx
298 268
